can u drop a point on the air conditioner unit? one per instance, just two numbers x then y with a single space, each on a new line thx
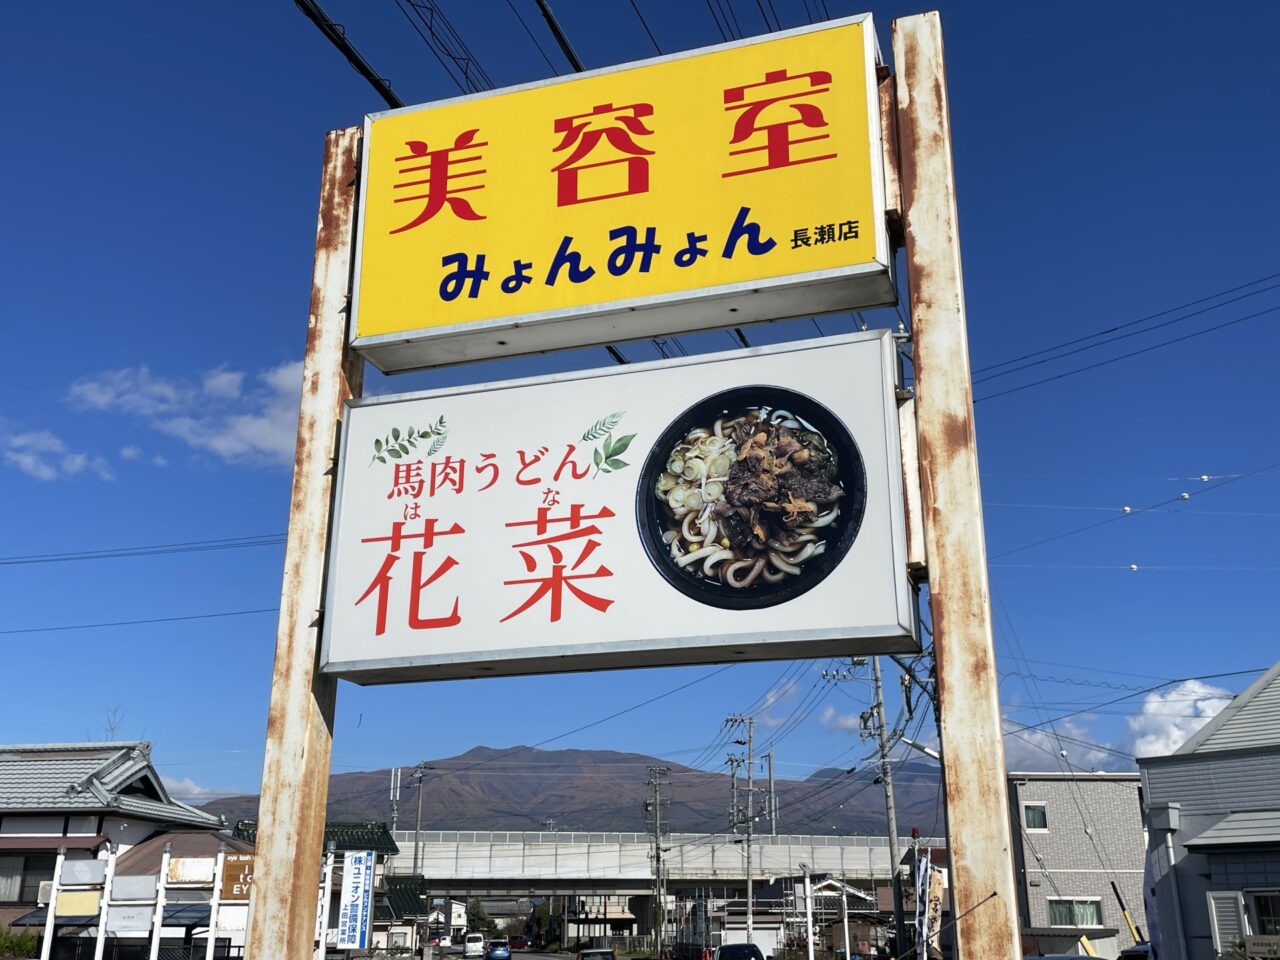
46 891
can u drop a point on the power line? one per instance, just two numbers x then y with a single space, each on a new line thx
1122 326
1135 511
527 30
336 35
113 553
1124 336
445 44
1127 356
644 23
134 623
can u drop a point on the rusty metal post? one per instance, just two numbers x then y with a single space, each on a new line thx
295 769
983 892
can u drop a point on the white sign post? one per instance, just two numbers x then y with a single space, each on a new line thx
355 910
536 526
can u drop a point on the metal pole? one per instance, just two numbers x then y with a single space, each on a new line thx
112 853
751 819
157 924
773 800
973 751
886 775
395 799
326 894
844 915
46 945
219 865
295 767
808 912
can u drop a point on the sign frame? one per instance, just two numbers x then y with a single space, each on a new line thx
586 654
355 903
818 292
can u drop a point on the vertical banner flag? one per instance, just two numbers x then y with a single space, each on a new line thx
356 908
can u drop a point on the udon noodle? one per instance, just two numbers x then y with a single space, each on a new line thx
750 499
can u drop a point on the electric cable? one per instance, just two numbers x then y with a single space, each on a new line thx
1126 356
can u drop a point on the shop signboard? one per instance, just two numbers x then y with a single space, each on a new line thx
741 506
355 910
707 189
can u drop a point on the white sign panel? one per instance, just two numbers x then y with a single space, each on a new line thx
125 920
355 910
744 506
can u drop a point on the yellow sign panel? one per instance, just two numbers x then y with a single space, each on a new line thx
77 903
730 184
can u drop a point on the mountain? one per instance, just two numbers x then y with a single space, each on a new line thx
520 787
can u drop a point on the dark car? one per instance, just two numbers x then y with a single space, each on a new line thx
497 950
597 954
738 951
519 943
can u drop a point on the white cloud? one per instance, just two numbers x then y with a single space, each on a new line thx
226 414
1170 717
46 456
782 692
131 389
187 790
223 383
833 719
130 453
264 433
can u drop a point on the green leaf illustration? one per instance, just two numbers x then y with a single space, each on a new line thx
438 442
601 427
614 463
598 457
395 433
620 445
377 446
393 453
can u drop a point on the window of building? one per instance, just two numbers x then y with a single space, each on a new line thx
1075 913
1266 912
399 939
1035 816
21 876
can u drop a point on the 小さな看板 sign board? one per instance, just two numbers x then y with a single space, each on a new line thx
707 189
745 506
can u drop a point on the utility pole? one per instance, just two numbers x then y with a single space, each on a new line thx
773 800
395 798
886 776
419 772
749 743
654 805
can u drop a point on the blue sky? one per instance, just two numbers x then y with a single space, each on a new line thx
1113 161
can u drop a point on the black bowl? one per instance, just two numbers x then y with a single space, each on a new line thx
651 516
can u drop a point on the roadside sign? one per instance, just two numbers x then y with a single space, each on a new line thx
711 188
237 876
123 920
742 506
355 911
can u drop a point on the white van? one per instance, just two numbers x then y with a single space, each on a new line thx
473 945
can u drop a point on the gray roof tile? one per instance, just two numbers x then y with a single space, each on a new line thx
68 778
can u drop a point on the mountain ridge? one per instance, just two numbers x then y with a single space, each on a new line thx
519 788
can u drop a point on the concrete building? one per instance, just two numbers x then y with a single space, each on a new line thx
1213 819
1075 835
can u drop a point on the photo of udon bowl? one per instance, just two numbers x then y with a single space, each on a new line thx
751 497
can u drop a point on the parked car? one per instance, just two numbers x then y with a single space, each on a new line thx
473 945
498 950
597 954
519 942
738 951
445 941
